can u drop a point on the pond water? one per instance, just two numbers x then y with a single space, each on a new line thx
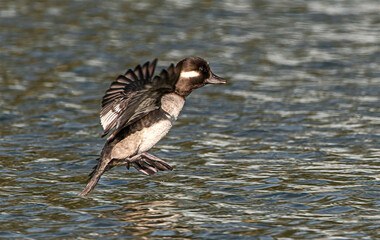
288 149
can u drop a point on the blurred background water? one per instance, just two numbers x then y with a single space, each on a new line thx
289 148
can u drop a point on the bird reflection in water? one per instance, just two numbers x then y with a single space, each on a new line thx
146 217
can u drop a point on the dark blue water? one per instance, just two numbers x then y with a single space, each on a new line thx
288 149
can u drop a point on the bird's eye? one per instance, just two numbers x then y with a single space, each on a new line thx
202 69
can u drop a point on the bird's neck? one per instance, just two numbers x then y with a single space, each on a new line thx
172 104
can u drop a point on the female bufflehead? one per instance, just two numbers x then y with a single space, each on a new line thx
139 109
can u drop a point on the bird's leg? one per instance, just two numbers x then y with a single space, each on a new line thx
148 164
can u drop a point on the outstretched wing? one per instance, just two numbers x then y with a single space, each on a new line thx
133 95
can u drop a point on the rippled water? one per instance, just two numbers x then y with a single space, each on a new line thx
289 148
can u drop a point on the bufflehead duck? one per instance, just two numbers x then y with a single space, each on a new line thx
139 109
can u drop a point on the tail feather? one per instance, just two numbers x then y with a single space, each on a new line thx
95 175
92 172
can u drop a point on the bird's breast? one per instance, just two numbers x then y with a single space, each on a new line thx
171 106
150 129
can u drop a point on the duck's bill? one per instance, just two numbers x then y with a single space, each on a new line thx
215 79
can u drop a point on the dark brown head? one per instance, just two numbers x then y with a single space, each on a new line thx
194 73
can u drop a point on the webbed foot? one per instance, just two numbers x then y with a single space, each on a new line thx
148 164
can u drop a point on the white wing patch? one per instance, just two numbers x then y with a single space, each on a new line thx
110 116
189 74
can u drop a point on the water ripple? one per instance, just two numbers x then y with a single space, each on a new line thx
289 148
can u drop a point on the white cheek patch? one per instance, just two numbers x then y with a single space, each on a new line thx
189 74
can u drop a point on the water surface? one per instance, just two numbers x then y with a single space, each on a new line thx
289 148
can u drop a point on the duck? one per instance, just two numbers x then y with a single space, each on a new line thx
138 110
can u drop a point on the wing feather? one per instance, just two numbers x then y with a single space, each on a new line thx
138 72
133 95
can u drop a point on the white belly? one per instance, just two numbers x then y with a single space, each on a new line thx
144 139
153 134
